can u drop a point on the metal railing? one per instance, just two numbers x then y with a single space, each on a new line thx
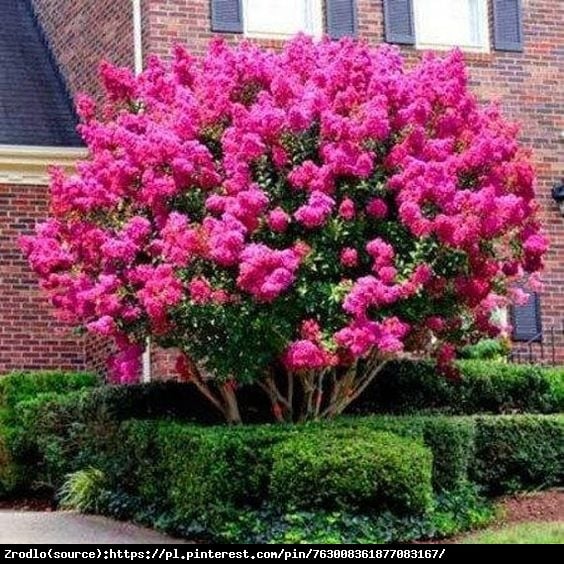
541 349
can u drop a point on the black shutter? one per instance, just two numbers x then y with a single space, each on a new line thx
342 18
526 319
227 16
398 21
508 25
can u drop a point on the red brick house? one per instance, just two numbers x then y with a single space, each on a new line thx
50 49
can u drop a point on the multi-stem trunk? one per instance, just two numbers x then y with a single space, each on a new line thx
315 395
295 397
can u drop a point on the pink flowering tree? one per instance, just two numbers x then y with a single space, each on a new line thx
290 219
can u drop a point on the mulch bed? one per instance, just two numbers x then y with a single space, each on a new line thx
540 506
27 504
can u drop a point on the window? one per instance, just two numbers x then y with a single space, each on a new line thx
448 23
526 319
282 18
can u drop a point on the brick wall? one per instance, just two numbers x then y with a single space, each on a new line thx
166 22
97 350
82 33
30 337
163 363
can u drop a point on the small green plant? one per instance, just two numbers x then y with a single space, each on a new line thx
83 490
486 349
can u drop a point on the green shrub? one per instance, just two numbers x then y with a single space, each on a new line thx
11 474
57 434
18 452
555 379
499 387
364 470
519 452
450 439
212 481
20 386
483 387
226 467
486 349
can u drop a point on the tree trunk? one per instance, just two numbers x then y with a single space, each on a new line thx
222 396
324 394
231 405
320 395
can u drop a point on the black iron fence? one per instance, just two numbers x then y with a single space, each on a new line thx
541 349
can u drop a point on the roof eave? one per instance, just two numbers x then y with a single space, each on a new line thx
21 164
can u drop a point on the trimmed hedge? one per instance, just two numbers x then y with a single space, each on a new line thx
60 434
451 440
225 468
483 387
20 386
216 480
209 481
518 453
372 470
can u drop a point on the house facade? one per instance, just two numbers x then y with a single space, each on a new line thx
514 50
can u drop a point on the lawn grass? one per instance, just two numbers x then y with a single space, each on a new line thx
522 533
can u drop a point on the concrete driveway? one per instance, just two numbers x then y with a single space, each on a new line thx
62 527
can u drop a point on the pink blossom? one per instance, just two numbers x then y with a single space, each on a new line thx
180 243
310 330
347 209
381 252
377 208
436 324
125 366
226 239
119 82
302 249
161 291
536 245
104 326
200 290
316 212
387 274
349 257
266 273
278 220
361 336
518 296
305 355
85 107
220 297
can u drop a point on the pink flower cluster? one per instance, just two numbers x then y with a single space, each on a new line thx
326 175
266 273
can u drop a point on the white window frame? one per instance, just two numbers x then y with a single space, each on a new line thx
313 17
482 44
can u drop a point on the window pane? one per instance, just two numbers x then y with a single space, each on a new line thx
451 22
282 17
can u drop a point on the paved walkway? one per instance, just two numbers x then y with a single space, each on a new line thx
61 527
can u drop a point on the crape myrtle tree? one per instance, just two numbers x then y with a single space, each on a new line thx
291 219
